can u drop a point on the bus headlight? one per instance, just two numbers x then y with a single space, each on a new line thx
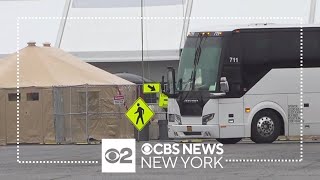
207 118
175 118
178 119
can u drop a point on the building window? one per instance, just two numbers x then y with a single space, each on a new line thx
34 96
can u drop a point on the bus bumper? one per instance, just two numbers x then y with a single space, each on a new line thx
193 131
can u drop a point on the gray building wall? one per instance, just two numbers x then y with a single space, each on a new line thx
153 70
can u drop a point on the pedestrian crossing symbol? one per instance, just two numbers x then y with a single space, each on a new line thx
139 114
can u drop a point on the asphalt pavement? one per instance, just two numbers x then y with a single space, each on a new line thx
309 168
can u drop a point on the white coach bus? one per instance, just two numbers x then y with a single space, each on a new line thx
246 82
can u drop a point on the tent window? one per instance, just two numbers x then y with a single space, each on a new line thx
33 96
13 96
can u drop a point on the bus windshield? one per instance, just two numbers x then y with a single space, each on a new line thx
199 64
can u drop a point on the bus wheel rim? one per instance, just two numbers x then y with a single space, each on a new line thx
265 126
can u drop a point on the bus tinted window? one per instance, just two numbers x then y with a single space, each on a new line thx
256 47
311 46
285 47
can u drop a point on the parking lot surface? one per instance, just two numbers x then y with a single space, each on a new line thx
309 168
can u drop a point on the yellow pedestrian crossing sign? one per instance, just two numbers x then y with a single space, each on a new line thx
151 88
139 114
163 100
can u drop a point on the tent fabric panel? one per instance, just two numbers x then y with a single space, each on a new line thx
105 120
30 116
11 118
35 122
37 118
48 128
3 131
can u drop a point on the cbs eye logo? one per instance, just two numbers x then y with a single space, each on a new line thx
146 149
113 155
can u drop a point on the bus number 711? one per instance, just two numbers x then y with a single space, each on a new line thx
234 60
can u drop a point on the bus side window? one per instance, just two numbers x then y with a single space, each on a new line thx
285 47
256 47
311 46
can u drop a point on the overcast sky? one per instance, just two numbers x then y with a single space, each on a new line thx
84 35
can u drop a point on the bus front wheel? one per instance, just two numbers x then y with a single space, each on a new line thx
265 127
228 140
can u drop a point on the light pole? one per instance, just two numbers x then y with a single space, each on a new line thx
142 63
312 15
63 23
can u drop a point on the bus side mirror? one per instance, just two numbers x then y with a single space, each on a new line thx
171 81
224 86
